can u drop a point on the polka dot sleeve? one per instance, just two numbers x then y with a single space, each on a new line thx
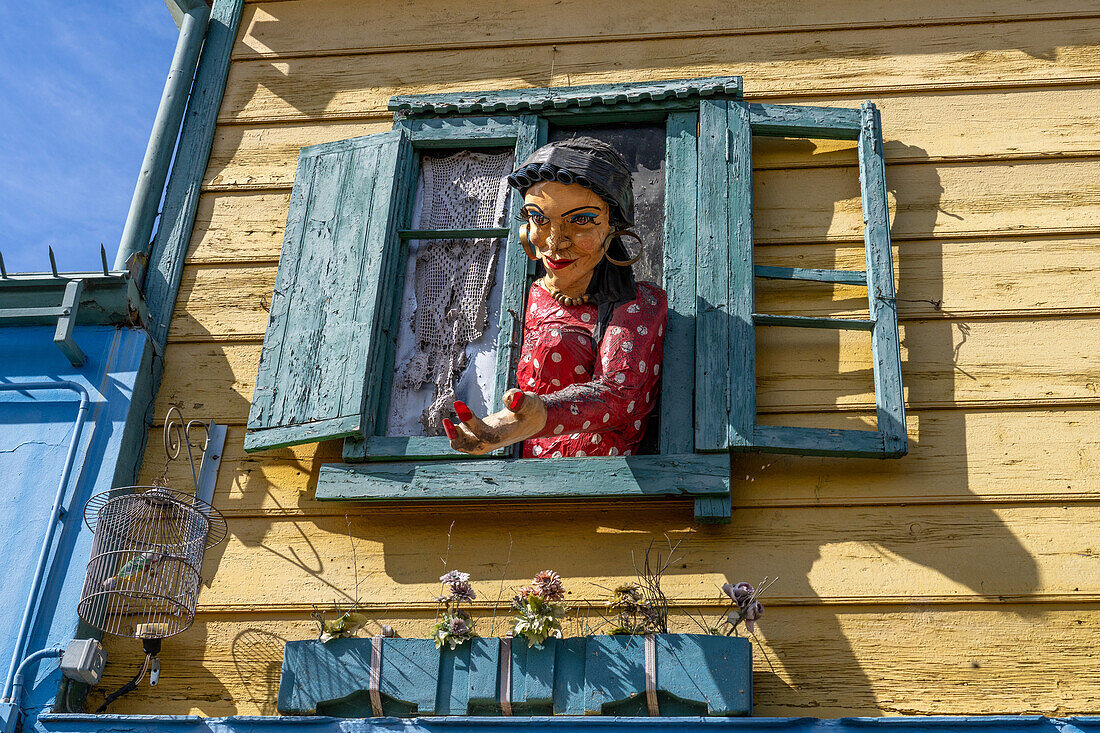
623 389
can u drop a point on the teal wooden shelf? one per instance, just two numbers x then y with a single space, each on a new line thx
696 675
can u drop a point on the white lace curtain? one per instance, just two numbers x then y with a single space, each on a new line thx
445 344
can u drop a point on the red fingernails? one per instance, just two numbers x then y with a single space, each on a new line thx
516 401
463 411
449 429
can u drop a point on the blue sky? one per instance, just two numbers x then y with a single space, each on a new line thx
79 86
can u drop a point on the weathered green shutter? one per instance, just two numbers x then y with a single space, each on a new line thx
725 401
733 158
331 301
522 133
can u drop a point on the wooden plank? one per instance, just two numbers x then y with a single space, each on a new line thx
840 277
280 29
742 280
239 227
953 279
945 364
779 120
947 200
946 279
824 661
681 222
530 135
267 156
713 309
984 124
882 301
965 200
470 132
820 555
602 478
381 448
181 198
814 441
958 457
845 324
843 62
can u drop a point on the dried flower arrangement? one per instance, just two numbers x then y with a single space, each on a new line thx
454 626
641 607
538 608
636 608
745 606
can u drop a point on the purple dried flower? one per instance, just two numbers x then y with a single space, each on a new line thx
455 576
754 611
740 593
459 627
462 591
547 585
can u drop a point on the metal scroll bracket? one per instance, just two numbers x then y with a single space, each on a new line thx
178 434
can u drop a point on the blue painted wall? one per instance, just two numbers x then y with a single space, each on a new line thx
35 430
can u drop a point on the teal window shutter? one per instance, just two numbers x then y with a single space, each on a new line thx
522 133
729 127
339 251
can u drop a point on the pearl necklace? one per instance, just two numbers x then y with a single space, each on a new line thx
562 297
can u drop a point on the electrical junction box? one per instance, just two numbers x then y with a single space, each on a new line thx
83 661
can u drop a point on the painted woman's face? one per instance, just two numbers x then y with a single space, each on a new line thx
567 225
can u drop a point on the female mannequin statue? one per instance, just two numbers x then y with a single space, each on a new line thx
592 337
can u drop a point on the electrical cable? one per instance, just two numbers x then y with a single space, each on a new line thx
128 687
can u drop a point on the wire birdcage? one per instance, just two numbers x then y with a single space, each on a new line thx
146 568
144 576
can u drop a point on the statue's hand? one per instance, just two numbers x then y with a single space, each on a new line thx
524 415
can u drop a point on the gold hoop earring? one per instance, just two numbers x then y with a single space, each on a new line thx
526 242
623 233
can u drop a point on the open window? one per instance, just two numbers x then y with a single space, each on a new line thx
356 296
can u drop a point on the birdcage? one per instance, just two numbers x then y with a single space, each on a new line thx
144 575
146 568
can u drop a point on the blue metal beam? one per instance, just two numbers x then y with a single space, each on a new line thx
588 724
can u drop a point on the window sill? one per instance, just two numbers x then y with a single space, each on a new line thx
702 477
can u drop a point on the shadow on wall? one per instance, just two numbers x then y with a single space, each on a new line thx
923 545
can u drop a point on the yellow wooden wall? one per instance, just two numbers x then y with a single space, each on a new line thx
963 578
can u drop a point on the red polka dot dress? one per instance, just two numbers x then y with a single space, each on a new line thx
598 396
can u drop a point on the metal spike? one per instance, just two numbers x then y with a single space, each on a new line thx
3 270
103 259
53 263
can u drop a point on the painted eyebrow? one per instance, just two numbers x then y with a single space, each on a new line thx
533 206
580 208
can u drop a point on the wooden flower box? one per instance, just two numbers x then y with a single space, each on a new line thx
592 675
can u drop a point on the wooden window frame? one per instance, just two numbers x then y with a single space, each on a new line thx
864 125
708 275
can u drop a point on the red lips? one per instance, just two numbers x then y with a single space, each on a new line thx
558 264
